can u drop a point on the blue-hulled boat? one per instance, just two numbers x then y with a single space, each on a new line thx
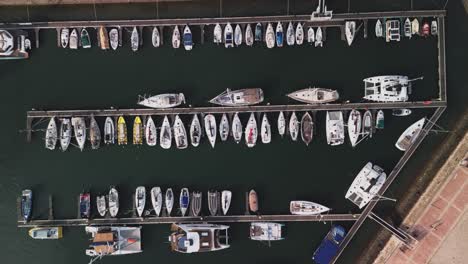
329 246
188 43
184 200
85 205
26 204
279 35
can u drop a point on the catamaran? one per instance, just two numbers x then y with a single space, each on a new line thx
180 134
51 134
140 200
279 35
379 120
195 131
354 127
85 40
79 127
310 35
258 32
307 128
65 133
163 100
251 131
210 129
266 231
224 128
350 31
335 128
388 88
94 133
169 200
184 200
243 97
367 124
151 133
238 35
281 124
113 240
315 95
121 131
366 185
137 131
176 38
290 36
156 200
188 42
318 37
226 201
307 208
378 29
109 131
249 36
73 42
236 128
64 37
113 202
165 137
218 34
270 36
156 37
228 36
265 130
299 34
114 38
194 238
410 135
135 39
293 126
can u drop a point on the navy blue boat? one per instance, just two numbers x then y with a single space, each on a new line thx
279 35
26 204
187 37
85 205
330 245
258 32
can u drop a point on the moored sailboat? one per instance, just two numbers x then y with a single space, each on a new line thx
315 95
26 204
79 128
299 34
258 32
279 35
213 202
184 200
109 131
210 129
168 100
155 37
293 126
236 128
114 38
415 26
366 185
307 128
251 131
238 35
409 136
265 130
165 136
195 131
151 133
94 133
407 29
180 134
196 203
202 237
367 124
290 36
378 29
101 205
65 133
270 36
84 205
243 97
176 38
224 128
51 134
354 127
307 208
121 131
137 131
140 200
318 37
350 31
156 200
169 200
113 202
249 36
253 201
113 241
135 39
281 124
226 201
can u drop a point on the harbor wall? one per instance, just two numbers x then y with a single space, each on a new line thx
79 2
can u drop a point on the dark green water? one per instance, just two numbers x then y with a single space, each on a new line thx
281 171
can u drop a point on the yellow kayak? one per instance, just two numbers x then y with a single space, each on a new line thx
121 131
137 131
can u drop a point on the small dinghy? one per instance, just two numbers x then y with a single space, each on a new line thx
169 201
213 202
281 124
195 131
113 202
187 37
79 128
307 208
315 95
225 201
94 133
318 37
258 32
73 44
434 28
253 201
299 34
236 128
176 38
135 39
310 35
156 200
378 29
180 134
407 28
114 38
238 35
290 36
64 37
121 131
401 112
51 134
415 27
103 38
156 38
410 135
109 131
279 35
196 204
184 200
367 124
307 128
137 131
293 126
265 130
224 128
26 204
251 132
165 137
249 35
350 31
270 36
218 34
354 126
84 202
85 40
380 120
163 100
210 129
140 200
228 36
101 205
65 133
151 133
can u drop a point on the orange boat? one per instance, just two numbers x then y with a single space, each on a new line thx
253 201
103 38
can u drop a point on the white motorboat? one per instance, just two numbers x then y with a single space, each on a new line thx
251 131
156 37
378 29
184 200
407 29
195 131
210 129
163 100
410 135
165 136
242 97
85 39
135 39
156 200
195 238
140 200
266 231
113 241
51 134
228 36
293 126
113 202
64 37
187 37
213 202
46 232
65 133
335 128
380 120
236 128
354 126
79 128
270 36
307 208
176 38
169 199
196 203
401 112
311 36
279 35
290 35
299 34
366 185
151 133
367 124
434 28
73 42
218 34
249 35
180 134
388 88
265 130
281 124
238 35
226 201
101 205
94 133
114 38
224 128
415 26
109 131
318 37
307 128
350 31
315 95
